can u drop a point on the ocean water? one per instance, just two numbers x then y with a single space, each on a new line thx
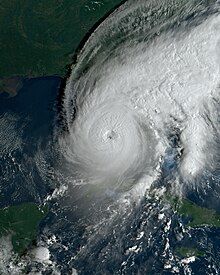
136 119
27 122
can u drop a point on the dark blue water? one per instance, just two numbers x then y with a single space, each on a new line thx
34 112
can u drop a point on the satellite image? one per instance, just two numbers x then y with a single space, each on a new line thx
110 137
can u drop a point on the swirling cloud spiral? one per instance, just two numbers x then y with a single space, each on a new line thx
132 86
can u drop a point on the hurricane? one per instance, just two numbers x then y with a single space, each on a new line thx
136 83
139 120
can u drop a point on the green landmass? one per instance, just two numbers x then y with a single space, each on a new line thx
199 216
189 252
38 38
21 222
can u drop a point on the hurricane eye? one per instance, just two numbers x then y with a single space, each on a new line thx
111 135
